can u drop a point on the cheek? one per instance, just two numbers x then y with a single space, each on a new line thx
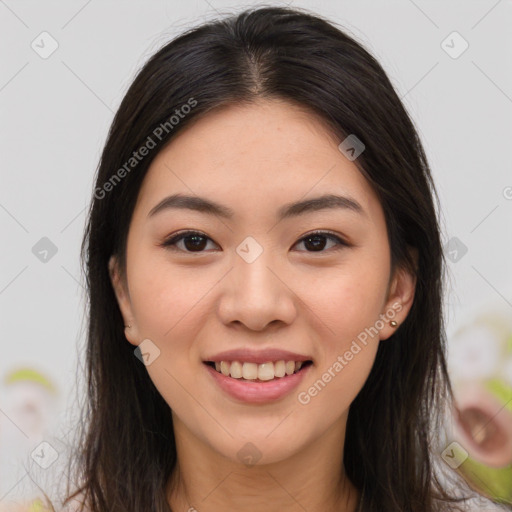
349 305
350 299
165 298
168 304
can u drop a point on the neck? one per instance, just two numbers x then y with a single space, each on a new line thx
312 479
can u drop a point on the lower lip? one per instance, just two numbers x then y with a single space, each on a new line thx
258 392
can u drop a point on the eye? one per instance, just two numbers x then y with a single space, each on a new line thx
316 241
195 241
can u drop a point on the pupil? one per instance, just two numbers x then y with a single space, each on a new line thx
199 242
317 237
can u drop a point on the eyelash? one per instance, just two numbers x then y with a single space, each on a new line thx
171 242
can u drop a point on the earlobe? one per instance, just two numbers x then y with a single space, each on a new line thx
400 298
116 280
123 301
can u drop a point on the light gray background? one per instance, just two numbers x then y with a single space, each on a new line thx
55 114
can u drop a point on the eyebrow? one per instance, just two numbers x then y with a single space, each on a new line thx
202 205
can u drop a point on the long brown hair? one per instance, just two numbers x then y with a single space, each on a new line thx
126 449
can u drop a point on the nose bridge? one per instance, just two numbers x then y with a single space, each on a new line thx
255 294
256 283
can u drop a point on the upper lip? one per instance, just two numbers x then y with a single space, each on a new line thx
257 356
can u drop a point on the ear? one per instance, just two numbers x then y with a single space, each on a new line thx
123 300
400 297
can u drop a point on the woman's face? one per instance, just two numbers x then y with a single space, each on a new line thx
252 281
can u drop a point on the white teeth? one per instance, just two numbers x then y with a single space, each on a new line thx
266 371
279 369
224 368
252 371
236 370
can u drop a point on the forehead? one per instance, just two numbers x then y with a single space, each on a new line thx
249 156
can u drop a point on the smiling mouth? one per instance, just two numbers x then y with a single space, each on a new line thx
253 372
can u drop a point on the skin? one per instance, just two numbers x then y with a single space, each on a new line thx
254 159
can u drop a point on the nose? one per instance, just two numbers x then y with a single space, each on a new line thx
257 294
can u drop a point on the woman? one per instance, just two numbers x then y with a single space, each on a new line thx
265 278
